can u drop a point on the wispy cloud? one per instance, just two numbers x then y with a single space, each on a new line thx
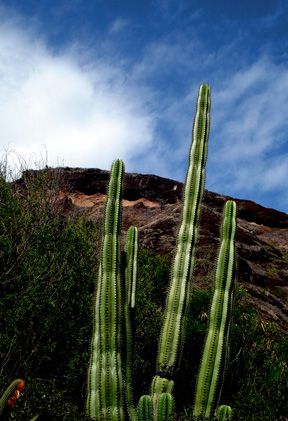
251 126
84 115
89 106
118 25
248 146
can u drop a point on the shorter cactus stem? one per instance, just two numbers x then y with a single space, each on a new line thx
131 249
224 413
145 409
165 407
212 367
160 386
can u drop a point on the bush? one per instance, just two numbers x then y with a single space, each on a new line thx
48 269
258 380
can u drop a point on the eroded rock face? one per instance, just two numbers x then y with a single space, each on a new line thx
154 205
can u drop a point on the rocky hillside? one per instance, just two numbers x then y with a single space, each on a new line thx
154 205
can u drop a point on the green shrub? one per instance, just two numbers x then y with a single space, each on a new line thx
49 262
48 266
258 378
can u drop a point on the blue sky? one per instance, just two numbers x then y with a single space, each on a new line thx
87 81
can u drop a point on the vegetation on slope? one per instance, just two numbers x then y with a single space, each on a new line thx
48 267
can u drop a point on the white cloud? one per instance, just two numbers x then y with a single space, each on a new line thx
250 122
248 141
118 25
84 115
89 111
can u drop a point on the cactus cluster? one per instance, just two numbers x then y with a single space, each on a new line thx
109 375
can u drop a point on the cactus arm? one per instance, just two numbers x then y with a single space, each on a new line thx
145 408
105 381
171 338
213 359
8 392
131 249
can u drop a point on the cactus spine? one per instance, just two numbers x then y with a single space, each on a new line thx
105 380
216 345
171 339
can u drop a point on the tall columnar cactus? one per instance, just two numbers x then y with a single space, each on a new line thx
105 381
216 346
172 333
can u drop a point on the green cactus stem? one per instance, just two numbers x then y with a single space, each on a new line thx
145 408
224 413
161 385
165 407
214 356
131 249
15 386
171 340
105 381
